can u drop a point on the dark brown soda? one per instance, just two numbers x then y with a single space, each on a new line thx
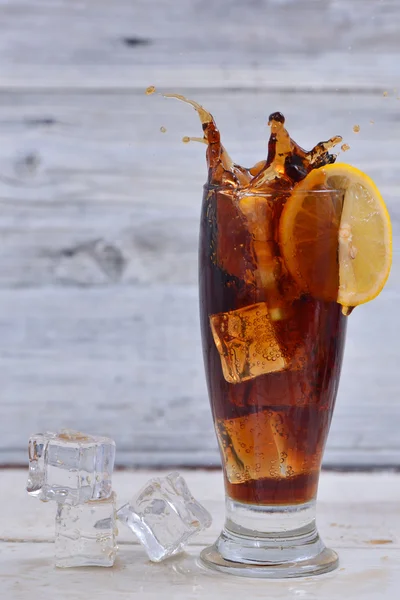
271 429
272 353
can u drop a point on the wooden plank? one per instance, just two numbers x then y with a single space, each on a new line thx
27 570
129 362
108 146
343 520
304 43
267 27
92 193
357 513
92 243
126 361
332 72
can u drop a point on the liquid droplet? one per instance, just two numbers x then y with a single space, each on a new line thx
150 90
356 128
345 147
163 129
187 139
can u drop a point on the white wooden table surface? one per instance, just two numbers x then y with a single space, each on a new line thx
358 516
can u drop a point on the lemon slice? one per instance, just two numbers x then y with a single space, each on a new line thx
337 246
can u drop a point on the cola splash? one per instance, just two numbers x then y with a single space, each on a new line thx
286 164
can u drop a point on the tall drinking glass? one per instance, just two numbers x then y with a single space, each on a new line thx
273 355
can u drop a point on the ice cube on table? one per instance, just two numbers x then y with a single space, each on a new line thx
164 516
69 466
80 542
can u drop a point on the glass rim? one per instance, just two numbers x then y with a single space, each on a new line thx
243 192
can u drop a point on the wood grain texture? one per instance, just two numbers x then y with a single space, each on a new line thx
26 569
126 361
343 519
357 516
92 192
96 31
99 210
292 43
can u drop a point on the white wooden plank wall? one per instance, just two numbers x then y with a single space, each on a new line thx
99 210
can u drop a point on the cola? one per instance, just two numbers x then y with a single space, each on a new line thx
272 351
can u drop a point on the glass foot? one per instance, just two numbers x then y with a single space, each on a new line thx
281 542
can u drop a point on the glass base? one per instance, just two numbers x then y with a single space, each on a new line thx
270 542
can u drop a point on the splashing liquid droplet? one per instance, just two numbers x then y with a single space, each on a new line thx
356 128
150 90
286 164
186 139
